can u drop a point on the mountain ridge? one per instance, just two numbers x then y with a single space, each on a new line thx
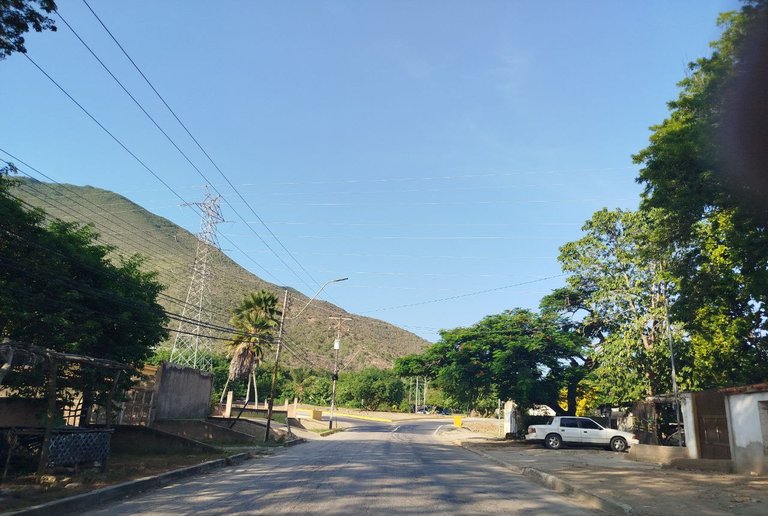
168 249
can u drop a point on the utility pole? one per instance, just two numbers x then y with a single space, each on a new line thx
192 345
674 372
336 347
274 371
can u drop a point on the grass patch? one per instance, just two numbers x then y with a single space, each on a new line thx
323 433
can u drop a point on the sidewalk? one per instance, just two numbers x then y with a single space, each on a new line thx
612 483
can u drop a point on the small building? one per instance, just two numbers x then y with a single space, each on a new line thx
730 423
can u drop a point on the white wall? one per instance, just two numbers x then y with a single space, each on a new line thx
748 449
689 422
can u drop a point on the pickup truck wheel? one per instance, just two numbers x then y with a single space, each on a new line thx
618 444
553 442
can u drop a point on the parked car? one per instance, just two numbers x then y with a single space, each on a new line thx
583 431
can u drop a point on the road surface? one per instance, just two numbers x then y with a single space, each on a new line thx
371 468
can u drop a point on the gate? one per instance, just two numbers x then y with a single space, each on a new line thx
137 408
712 425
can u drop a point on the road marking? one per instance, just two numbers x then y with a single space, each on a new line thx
396 429
438 429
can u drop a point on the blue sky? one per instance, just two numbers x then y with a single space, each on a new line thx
436 153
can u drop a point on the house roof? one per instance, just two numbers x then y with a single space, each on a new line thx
744 389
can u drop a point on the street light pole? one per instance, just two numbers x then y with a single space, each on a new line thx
279 343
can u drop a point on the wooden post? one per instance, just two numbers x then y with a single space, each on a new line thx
111 397
49 416
228 406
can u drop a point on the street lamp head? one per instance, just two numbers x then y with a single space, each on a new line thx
317 294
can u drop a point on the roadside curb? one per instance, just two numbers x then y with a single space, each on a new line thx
556 484
87 501
366 418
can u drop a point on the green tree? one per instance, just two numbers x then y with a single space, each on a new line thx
255 320
519 355
17 17
317 390
618 291
61 289
704 173
411 365
371 388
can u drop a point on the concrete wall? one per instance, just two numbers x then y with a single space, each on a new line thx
656 454
128 439
255 429
182 393
203 431
689 422
748 426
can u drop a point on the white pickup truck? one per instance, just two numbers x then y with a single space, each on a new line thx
581 431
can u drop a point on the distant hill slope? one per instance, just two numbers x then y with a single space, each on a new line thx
170 250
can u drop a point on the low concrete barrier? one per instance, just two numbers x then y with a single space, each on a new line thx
126 439
203 431
657 454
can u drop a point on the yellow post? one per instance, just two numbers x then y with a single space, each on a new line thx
457 421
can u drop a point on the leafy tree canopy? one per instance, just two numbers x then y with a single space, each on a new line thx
371 388
618 293
519 355
705 176
17 17
60 289
256 319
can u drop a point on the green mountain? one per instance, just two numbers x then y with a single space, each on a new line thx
170 250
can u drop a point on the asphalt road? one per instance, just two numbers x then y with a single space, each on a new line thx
371 468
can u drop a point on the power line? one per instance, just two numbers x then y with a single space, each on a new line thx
490 202
448 177
170 140
92 291
103 128
78 216
207 155
110 296
161 294
460 296
135 157
390 179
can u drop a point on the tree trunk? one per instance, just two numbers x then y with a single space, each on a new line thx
7 354
85 408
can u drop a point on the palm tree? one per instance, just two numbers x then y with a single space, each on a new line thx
254 320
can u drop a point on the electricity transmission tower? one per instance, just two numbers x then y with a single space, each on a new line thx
192 345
